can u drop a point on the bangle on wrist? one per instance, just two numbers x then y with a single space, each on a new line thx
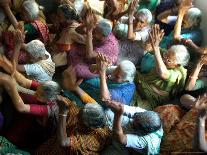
193 77
64 115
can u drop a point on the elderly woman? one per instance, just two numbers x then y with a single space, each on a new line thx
35 28
120 82
134 130
81 130
99 39
68 21
138 24
186 27
40 104
41 67
168 80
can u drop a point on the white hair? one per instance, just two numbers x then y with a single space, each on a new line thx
181 53
129 70
36 49
147 14
194 16
32 9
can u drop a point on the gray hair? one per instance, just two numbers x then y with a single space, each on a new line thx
32 9
147 14
181 53
129 70
51 90
93 115
36 48
105 26
194 16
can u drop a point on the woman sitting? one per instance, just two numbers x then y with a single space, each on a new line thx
186 27
99 39
80 130
39 101
68 20
168 79
120 82
41 68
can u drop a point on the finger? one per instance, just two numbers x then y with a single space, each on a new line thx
79 82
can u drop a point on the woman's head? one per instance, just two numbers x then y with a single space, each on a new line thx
102 30
30 10
36 49
93 115
192 18
177 55
66 14
146 122
48 91
124 72
143 18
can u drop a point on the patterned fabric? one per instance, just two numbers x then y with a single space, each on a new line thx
180 139
8 41
82 140
8 148
43 31
109 47
159 91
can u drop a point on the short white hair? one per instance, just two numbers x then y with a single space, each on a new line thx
181 53
36 49
32 9
194 16
147 14
129 70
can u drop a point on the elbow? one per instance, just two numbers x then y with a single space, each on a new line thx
164 76
177 38
21 109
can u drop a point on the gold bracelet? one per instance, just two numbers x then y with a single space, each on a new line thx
64 115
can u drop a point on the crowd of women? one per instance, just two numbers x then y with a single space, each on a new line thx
113 77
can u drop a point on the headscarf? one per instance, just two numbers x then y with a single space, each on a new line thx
69 12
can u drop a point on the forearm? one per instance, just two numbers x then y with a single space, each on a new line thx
164 15
89 46
64 141
118 131
160 65
193 77
22 80
178 26
119 15
105 94
202 144
130 28
11 16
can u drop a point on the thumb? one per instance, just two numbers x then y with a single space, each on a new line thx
79 81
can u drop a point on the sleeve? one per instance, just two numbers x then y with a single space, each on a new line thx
174 75
34 85
136 142
39 110
87 99
130 110
32 69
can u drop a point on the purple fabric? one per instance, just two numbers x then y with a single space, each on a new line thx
76 56
1 120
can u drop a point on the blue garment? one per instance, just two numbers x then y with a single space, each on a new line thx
147 63
121 92
194 34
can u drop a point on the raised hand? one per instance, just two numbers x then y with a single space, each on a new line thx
90 20
132 7
102 63
156 36
19 38
70 80
201 102
116 107
185 5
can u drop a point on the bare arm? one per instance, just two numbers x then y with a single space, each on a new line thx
155 38
11 16
163 17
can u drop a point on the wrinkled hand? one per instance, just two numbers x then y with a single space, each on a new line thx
19 38
102 63
70 80
201 102
7 81
185 5
90 20
203 59
156 36
63 103
116 107
133 7
6 64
